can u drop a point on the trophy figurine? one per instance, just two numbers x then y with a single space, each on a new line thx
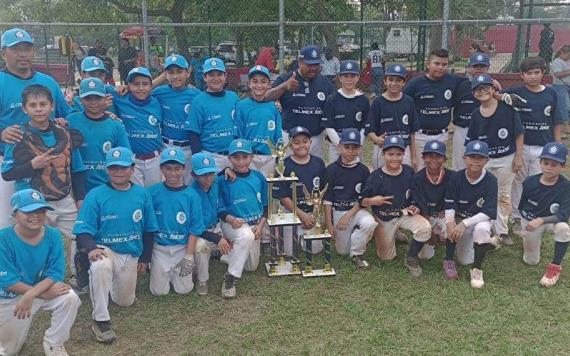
278 151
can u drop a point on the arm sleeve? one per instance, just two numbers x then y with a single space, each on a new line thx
148 242
333 136
211 237
10 172
471 134
78 185
85 243
55 268
372 118
475 219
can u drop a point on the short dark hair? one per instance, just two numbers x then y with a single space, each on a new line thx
36 90
442 53
533 63
374 45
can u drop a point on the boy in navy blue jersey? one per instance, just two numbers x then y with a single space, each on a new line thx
32 265
211 119
428 190
470 205
387 192
393 113
350 225
179 216
258 120
142 116
499 125
242 210
541 120
311 173
545 206
175 99
115 228
346 108
93 67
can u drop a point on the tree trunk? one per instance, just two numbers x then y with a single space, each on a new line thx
327 30
239 48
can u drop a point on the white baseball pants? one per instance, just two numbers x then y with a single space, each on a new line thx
479 233
532 239
163 270
63 218
502 169
385 233
147 172
245 250
428 251
459 135
531 166
353 240
316 245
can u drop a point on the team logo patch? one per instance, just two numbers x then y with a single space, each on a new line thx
480 78
271 125
434 146
405 119
314 54
258 196
137 215
180 217
96 62
477 147
36 196
172 153
447 94
239 144
152 120
479 57
174 58
358 116
503 133
358 188
106 146
394 139
206 162
136 70
349 66
480 202
554 208
213 62
547 110
397 68
258 67
187 108
19 34
116 154
352 135
91 84
553 150
321 96
316 181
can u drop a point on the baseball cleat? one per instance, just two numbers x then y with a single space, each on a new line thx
449 270
413 266
360 262
551 276
476 278
202 288
52 350
103 332
506 240
229 286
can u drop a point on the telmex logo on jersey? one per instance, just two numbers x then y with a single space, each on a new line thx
271 125
480 202
405 119
107 146
181 217
321 96
547 110
316 182
554 208
503 133
137 215
358 187
447 94
358 115
152 120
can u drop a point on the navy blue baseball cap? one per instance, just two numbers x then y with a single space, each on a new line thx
28 200
258 69
481 80
397 70
434 146
310 54
477 148
394 141
91 86
211 64
349 67
14 36
176 60
119 156
555 151
203 163
173 154
142 71
299 130
350 136
240 145
479 58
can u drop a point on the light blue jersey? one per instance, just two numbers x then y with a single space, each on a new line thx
142 122
99 136
209 202
178 214
76 105
258 121
117 219
29 264
175 105
245 198
212 118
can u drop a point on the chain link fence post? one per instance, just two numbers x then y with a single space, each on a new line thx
445 25
281 36
145 34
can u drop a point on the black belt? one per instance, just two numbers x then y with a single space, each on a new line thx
176 143
147 156
433 132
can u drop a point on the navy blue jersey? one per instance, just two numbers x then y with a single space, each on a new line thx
398 186
393 117
245 197
539 200
311 174
433 99
470 199
175 104
499 130
305 106
464 103
538 115
345 184
342 113
258 121
209 202
429 197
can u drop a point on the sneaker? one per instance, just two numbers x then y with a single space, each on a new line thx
517 227
476 278
413 266
449 269
52 350
506 240
103 332
202 288
360 262
551 276
229 286
80 291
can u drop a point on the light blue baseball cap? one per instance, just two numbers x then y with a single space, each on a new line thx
91 64
174 154
240 145
211 64
258 69
28 200
203 163
142 71
91 86
119 156
14 36
477 148
176 60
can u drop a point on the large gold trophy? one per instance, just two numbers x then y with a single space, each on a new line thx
278 219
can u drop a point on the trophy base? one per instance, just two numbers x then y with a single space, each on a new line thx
285 269
323 236
319 273
284 219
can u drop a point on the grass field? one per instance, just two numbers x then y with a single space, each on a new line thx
380 311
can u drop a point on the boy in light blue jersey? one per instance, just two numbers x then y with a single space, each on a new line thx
100 132
32 266
115 228
211 119
179 216
93 67
142 116
176 98
258 120
242 208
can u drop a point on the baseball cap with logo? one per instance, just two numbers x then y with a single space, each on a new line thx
176 60
310 54
299 130
477 148
434 146
173 154
349 67
91 64
397 70
142 71
350 136
119 156
240 145
479 58
258 69
483 79
211 64
203 163
14 36
555 151
28 200
91 86
394 141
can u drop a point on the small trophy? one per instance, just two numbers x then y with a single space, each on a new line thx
279 151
